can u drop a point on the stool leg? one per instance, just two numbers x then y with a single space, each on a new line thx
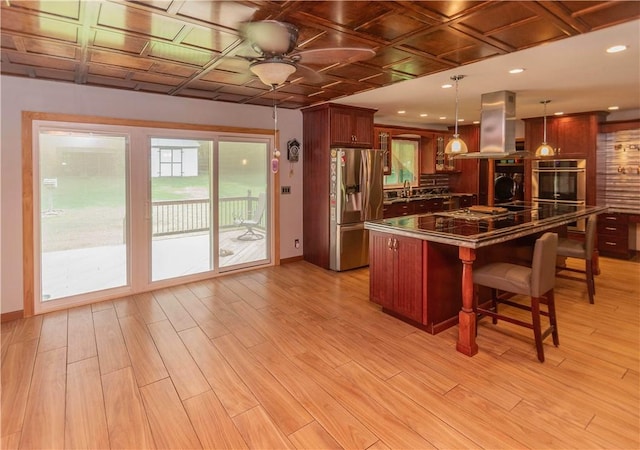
537 332
591 285
494 304
551 305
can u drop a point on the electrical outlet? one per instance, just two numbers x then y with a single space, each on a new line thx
286 189
296 243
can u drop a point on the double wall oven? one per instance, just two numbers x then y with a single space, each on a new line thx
561 181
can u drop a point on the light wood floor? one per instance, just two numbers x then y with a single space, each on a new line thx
297 357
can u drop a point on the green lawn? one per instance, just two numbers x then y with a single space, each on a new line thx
82 192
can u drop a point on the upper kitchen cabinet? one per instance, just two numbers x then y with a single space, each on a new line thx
572 136
348 126
466 177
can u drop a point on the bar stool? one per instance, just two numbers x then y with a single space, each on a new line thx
573 248
537 281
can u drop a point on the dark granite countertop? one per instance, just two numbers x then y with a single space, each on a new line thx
466 228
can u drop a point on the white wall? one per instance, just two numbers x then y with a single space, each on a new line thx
23 94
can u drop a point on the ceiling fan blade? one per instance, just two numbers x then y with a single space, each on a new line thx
333 55
308 74
270 36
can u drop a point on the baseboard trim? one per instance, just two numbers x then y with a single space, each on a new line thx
13 315
292 259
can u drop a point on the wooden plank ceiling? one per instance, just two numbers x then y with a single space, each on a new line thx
187 48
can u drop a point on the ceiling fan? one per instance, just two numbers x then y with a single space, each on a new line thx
275 42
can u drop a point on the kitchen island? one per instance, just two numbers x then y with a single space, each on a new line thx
421 266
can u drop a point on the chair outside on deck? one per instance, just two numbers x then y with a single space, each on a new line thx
536 281
253 220
573 248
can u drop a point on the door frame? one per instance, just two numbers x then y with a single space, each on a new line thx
28 211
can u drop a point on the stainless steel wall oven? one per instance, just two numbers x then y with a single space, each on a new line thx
560 181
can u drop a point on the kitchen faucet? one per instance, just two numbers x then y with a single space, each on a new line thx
407 188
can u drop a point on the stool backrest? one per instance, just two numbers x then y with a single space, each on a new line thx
590 235
543 267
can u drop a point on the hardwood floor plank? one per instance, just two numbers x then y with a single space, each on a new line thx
244 332
184 372
85 418
169 423
258 430
54 331
229 388
214 427
112 352
102 306
6 333
205 319
483 432
145 359
81 338
312 436
149 308
175 312
284 409
246 294
424 422
386 426
17 369
126 306
126 417
27 329
44 420
334 418
10 441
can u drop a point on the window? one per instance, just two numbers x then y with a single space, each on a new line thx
404 162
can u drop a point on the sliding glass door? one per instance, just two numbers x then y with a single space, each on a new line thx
83 212
124 209
181 237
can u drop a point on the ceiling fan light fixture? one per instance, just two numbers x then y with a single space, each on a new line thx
456 145
272 73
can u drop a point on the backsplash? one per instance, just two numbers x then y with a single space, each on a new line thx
618 170
437 180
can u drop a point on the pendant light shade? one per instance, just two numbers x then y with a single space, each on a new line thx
456 145
545 149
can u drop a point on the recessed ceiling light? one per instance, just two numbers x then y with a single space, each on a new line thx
460 120
559 113
518 70
613 108
443 117
447 86
423 115
476 122
616 48
401 111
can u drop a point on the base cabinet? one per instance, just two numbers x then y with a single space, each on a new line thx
415 280
613 235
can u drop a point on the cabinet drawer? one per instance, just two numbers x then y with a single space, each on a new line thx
612 229
613 218
618 245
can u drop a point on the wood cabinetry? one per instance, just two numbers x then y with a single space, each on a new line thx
419 206
573 136
351 127
396 275
613 235
325 126
467 178
406 278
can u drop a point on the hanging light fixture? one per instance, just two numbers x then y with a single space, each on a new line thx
456 145
545 149
273 71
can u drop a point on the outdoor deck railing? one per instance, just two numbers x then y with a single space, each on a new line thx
188 216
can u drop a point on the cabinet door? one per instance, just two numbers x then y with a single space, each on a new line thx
573 137
362 123
342 132
381 273
408 278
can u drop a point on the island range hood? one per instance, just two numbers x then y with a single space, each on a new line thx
497 128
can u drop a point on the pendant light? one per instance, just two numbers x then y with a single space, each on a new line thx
545 149
456 145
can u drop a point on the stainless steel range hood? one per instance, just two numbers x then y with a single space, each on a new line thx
497 128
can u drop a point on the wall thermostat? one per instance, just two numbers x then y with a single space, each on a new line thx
293 150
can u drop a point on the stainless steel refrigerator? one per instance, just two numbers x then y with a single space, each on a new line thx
355 195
